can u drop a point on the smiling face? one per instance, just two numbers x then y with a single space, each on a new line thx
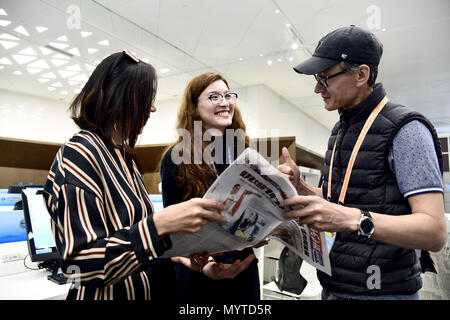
215 116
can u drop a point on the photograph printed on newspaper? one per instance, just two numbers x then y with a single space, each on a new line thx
251 190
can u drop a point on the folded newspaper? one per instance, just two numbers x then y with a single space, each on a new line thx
251 190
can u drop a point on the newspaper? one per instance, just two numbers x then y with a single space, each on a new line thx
251 190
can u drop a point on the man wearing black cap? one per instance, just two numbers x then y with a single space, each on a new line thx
382 190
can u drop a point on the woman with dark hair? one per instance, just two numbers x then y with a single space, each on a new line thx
102 218
207 101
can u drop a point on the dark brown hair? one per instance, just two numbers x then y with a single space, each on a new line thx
117 97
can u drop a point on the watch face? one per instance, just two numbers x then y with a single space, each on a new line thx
366 226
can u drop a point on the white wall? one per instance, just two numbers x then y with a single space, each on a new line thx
265 113
34 118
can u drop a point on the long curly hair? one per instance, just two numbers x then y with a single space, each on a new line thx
195 178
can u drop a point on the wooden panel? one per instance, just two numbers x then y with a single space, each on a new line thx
9 176
151 180
309 159
263 144
446 162
148 157
27 154
444 144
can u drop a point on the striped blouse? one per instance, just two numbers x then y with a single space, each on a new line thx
101 221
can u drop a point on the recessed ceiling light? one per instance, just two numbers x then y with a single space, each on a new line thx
17 73
43 80
61 56
28 51
81 77
164 70
85 34
5 61
261 54
74 51
58 62
269 62
288 25
22 59
66 74
294 46
73 83
92 50
33 70
62 38
39 64
8 44
277 11
59 45
3 12
64 92
41 29
74 67
291 59
49 75
56 84
22 30
104 43
51 89
280 59
4 23
7 36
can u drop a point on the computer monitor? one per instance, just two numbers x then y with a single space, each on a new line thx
41 244
12 223
157 201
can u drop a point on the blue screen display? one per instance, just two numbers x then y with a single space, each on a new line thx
9 199
40 221
157 201
12 226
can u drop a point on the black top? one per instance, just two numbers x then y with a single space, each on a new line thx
193 285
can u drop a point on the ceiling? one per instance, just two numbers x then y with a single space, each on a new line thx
49 47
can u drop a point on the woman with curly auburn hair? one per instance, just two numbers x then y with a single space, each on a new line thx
208 112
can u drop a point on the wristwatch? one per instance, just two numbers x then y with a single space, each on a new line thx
365 225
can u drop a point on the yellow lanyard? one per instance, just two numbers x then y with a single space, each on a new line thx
351 162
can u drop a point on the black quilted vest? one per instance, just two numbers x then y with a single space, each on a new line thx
372 187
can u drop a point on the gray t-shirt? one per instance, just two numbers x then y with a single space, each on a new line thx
413 160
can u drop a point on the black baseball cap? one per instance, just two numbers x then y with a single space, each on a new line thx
351 44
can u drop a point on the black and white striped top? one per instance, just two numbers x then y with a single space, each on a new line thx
102 223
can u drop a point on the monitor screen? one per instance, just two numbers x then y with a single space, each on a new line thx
41 244
12 226
12 223
157 201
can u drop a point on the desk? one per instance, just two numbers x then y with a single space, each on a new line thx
31 285
312 292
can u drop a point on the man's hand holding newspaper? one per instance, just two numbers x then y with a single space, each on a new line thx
252 191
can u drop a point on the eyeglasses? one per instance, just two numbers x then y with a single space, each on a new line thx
217 98
323 80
